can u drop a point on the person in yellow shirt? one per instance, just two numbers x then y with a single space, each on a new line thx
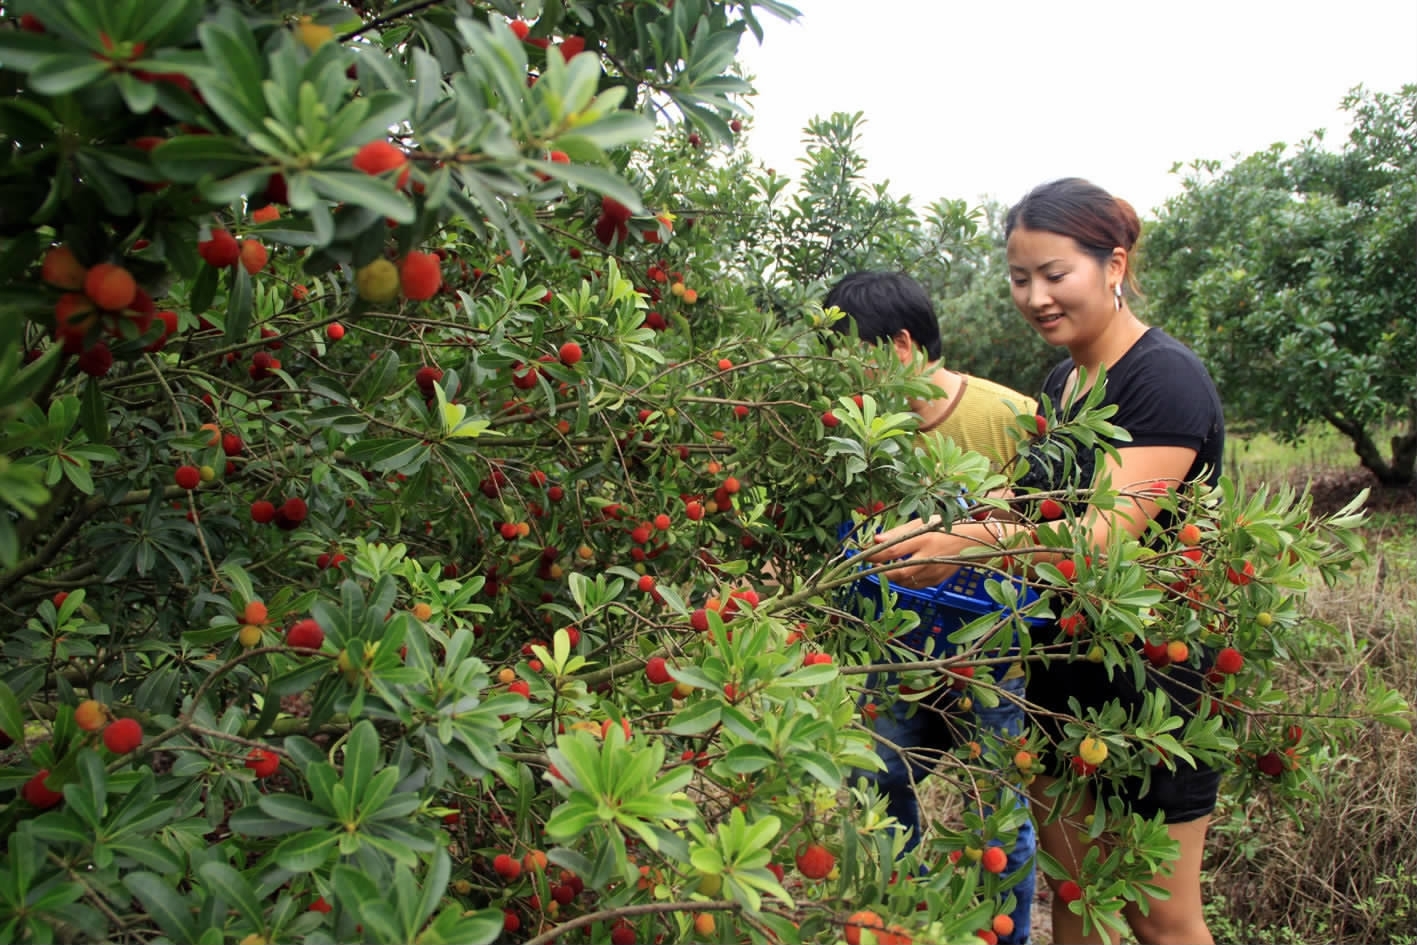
892 308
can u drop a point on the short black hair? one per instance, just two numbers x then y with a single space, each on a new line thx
883 303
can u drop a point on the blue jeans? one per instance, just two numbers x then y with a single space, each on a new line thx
929 730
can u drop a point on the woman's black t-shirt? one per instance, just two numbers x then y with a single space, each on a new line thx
1164 397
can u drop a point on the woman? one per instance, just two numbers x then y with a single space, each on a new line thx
1069 249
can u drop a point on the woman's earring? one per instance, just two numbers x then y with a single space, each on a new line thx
1117 296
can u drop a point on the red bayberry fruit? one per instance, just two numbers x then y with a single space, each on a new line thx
254 256
1069 891
1229 660
38 793
1245 575
188 477
815 861
123 736
263 512
570 353
305 634
294 510
506 866
262 762
420 275
380 157
97 360
657 671
110 287
220 250
1050 509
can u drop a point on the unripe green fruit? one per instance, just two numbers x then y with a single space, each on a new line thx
378 281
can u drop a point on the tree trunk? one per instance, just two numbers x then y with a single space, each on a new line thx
1395 473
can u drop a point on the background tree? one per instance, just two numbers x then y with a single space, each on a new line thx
1291 273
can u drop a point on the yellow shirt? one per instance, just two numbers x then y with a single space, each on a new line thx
979 420
981 416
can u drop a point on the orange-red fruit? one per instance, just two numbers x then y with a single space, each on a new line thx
420 275
123 736
1245 575
379 157
89 715
188 477
334 331
1050 509
111 287
519 28
508 867
265 214
38 793
994 860
1041 423
1177 651
305 634
62 270
255 612
646 583
829 420
262 762
253 256
570 353
657 670
865 919
221 250
1189 534
1003 924
815 861
1068 568
1229 660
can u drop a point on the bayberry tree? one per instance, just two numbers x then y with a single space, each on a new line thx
416 529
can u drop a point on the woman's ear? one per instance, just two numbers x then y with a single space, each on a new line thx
1117 267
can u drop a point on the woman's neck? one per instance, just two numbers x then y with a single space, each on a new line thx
1108 348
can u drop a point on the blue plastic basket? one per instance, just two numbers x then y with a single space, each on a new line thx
943 609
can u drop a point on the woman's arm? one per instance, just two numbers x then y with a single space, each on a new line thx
1135 470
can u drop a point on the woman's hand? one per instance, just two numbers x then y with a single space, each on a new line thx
913 540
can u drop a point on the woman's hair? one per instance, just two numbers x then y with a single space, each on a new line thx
1097 221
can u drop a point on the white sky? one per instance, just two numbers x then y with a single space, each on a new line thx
972 98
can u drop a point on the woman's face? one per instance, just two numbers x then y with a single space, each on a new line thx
1063 291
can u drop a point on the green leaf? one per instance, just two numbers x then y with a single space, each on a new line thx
361 190
190 158
294 810
305 852
239 305
94 418
227 884
65 73
12 722
167 907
